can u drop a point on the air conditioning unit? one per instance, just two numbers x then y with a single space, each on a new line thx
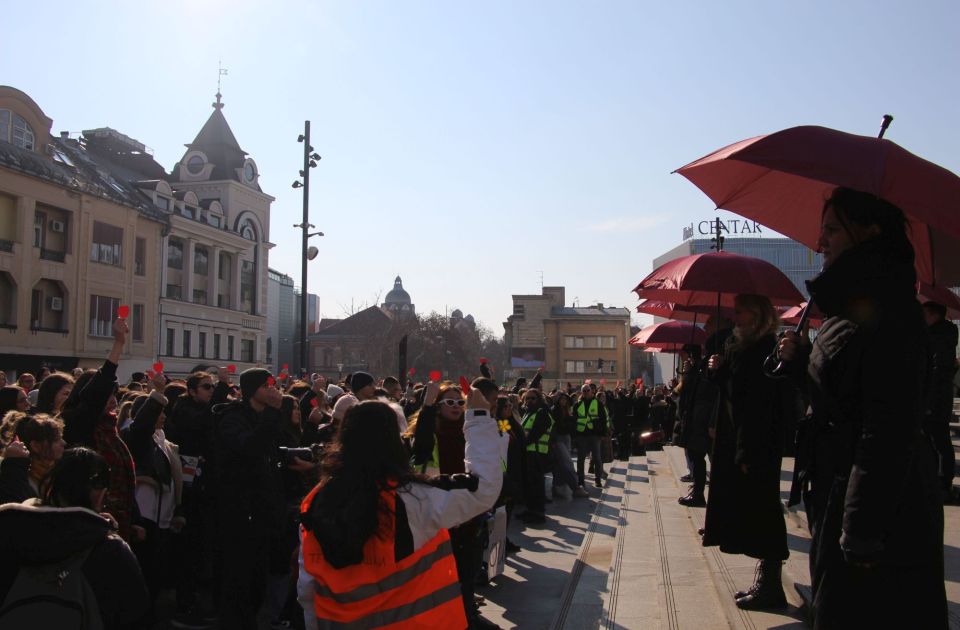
56 226
56 303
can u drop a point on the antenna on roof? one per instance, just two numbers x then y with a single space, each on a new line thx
541 280
221 71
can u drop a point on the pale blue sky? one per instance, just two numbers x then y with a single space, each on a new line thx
468 145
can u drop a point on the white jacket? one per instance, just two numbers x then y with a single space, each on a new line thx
431 509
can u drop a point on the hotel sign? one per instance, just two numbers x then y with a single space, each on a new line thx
730 226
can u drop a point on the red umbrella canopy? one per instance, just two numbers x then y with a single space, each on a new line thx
782 179
669 310
705 279
940 295
792 316
667 334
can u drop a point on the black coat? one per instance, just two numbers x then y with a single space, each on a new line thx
943 366
744 512
192 427
698 401
15 484
869 474
249 483
42 535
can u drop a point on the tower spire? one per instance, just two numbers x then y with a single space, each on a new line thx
221 71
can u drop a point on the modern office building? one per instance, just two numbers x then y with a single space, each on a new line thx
282 317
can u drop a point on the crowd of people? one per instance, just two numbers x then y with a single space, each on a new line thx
367 502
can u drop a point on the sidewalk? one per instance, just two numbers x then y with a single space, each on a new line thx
630 557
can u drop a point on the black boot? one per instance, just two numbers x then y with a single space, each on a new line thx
756 583
693 499
769 589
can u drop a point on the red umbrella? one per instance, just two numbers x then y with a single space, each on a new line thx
715 279
940 295
793 314
782 179
669 310
668 334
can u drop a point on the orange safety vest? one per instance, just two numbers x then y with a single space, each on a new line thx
420 591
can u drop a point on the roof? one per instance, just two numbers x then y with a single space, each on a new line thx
217 142
397 294
589 311
360 324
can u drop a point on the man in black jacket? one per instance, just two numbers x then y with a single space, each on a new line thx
939 413
249 490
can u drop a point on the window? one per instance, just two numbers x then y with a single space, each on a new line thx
202 341
200 260
163 203
214 220
248 231
186 343
174 292
269 348
171 338
107 245
248 284
9 230
246 350
518 309
230 347
5 124
39 233
8 302
195 164
216 346
22 135
199 296
140 256
224 269
138 322
175 253
589 342
187 212
102 311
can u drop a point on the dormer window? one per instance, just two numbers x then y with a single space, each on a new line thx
163 203
195 164
14 128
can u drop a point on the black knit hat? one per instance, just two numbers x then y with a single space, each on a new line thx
251 380
359 380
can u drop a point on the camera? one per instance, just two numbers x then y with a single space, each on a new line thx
310 453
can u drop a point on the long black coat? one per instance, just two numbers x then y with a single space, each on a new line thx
868 473
744 512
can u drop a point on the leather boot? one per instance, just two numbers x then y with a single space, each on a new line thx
756 582
693 499
769 591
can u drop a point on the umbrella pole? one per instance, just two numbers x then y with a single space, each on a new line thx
773 366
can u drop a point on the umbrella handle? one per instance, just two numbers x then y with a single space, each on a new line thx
773 365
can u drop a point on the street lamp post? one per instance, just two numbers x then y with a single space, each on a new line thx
310 159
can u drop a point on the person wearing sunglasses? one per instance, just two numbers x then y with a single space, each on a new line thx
190 426
33 534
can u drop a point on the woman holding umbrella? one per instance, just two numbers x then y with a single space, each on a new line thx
877 551
744 513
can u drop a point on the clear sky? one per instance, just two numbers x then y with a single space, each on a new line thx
467 146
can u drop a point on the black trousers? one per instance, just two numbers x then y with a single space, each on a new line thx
699 461
534 495
939 432
468 554
243 583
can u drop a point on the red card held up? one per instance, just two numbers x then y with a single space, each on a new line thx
231 369
271 381
464 385
314 402
158 366
412 371
123 312
435 376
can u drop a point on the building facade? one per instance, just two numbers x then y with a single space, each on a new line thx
282 316
572 344
213 299
76 241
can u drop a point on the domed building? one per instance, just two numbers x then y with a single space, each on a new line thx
398 302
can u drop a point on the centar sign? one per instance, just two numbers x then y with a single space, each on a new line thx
731 226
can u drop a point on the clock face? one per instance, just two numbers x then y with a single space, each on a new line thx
249 172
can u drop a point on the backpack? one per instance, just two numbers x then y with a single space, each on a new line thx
54 595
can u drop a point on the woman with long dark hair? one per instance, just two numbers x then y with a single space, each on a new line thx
744 513
54 391
866 470
375 548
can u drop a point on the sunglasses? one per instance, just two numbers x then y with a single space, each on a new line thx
452 402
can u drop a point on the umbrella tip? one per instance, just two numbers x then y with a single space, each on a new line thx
887 119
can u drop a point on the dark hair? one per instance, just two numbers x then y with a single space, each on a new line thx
390 381
29 427
935 308
298 388
485 385
287 404
864 210
8 398
193 381
79 471
366 458
541 401
380 393
502 402
74 399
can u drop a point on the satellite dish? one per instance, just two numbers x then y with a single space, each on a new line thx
312 252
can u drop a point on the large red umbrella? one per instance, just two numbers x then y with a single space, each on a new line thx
782 179
669 334
715 279
940 295
793 314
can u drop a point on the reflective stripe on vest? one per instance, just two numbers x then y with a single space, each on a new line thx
542 445
421 590
587 415
431 467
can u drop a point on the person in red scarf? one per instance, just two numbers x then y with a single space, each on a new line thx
89 420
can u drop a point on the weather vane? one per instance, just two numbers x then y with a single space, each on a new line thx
221 71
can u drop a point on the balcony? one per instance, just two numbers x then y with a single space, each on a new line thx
53 255
6 246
